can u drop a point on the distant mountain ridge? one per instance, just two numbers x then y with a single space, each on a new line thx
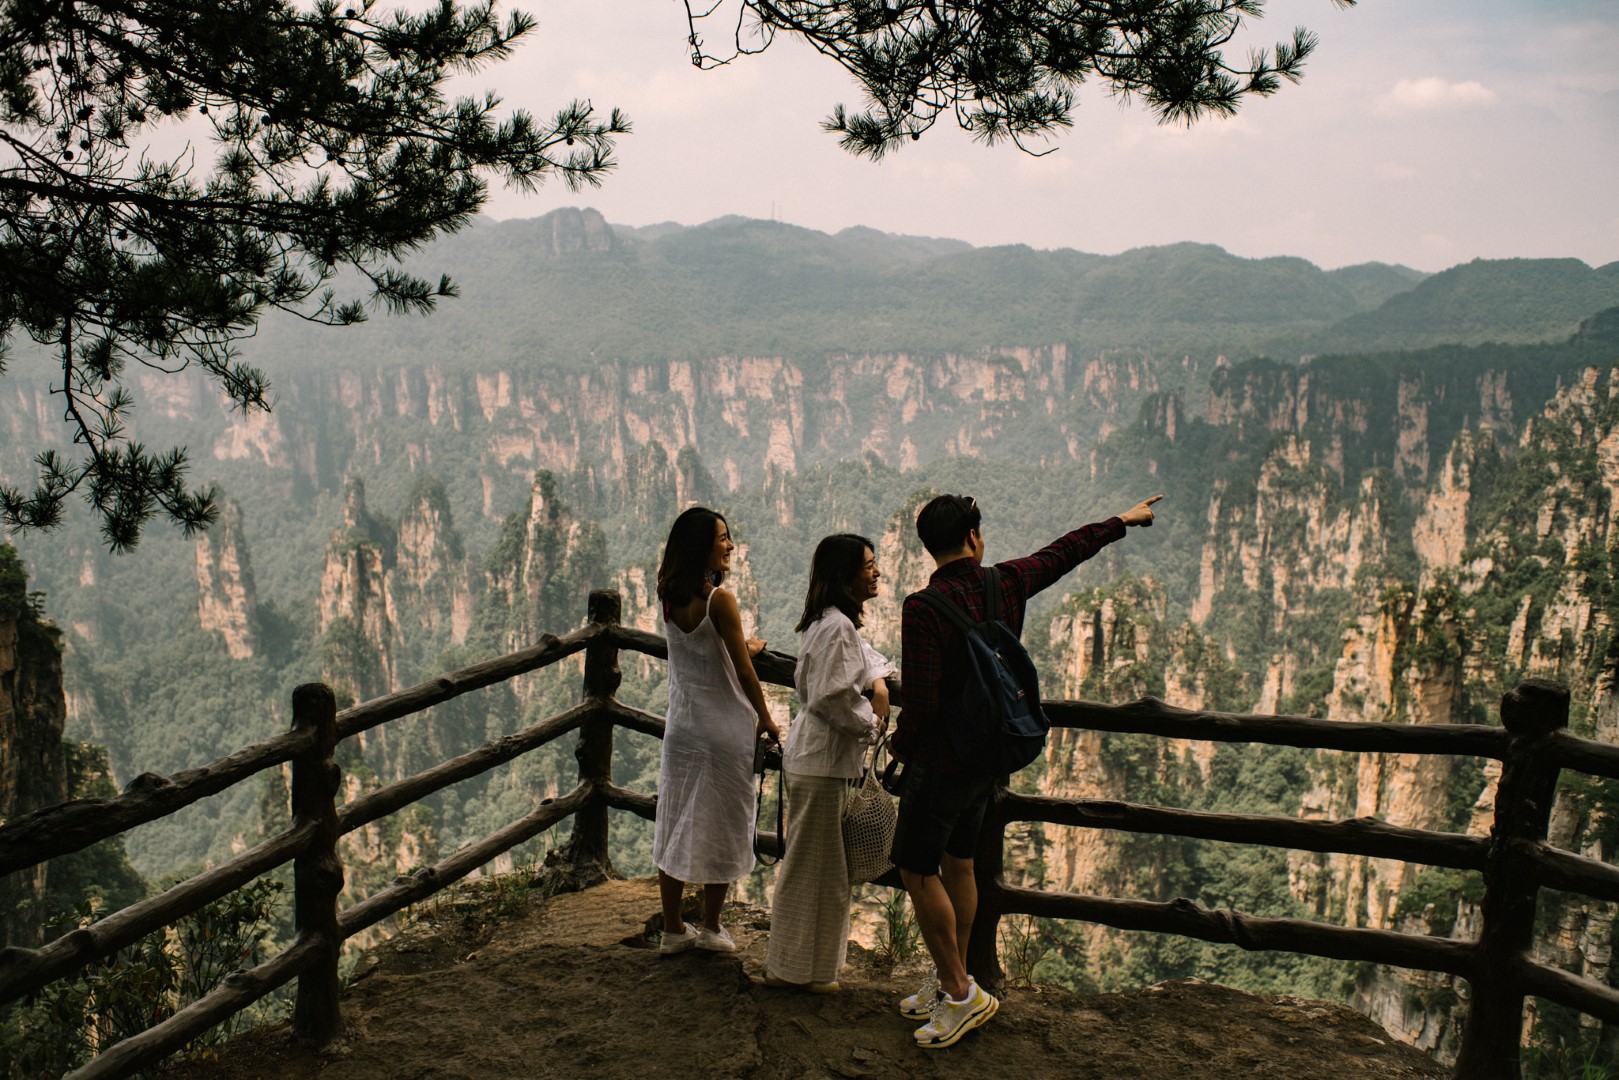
1502 301
563 291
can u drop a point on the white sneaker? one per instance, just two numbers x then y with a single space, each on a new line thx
679 942
919 1006
715 940
952 1019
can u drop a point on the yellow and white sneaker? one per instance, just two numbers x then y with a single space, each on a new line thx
952 1019
919 1006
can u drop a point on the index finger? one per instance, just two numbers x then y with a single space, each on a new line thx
1149 502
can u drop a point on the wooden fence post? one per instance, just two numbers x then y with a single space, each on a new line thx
983 944
317 872
1531 712
587 847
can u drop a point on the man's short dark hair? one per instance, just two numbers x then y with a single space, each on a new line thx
945 522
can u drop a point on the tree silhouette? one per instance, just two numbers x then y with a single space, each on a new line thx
335 147
1007 69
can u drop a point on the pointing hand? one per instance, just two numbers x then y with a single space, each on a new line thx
1140 513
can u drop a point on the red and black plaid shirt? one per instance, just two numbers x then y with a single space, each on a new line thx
931 650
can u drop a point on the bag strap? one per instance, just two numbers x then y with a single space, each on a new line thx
781 831
953 611
876 751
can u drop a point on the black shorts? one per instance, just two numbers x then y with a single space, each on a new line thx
938 813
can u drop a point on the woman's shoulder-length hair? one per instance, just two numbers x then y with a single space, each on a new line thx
837 561
684 568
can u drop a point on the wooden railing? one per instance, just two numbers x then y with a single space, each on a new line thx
1515 859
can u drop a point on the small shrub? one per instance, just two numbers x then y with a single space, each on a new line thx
898 935
71 1020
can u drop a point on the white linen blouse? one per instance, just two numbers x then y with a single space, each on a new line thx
831 732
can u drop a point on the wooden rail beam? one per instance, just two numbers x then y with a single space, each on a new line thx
425 695
317 872
235 992
22 971
1585 755
1251 932
983 958
1532 713
409 888
636 720
1558 869
53 831
1565 988
1359 836
396 796
771 665
645 806
586 851
1149 716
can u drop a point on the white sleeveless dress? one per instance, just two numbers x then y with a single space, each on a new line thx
703 831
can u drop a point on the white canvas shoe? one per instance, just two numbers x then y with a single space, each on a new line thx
715 940
687 936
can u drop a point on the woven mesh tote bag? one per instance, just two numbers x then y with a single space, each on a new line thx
869 817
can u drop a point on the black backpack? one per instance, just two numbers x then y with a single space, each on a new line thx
998 721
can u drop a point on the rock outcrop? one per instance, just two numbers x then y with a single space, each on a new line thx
227 602
33 713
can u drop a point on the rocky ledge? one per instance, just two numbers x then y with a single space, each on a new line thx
572 986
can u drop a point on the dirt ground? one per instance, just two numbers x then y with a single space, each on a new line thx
574 987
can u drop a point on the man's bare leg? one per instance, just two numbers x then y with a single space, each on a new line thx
936 919
962 886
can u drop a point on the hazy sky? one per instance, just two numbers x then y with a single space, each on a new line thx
1425 132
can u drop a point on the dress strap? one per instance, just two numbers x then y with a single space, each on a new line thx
709 603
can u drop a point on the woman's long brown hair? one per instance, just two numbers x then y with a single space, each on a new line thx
838 560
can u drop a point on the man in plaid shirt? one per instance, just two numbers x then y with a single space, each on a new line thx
943 800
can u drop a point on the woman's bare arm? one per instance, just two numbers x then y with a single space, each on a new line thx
728 621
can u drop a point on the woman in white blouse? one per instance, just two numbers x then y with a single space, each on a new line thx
841 683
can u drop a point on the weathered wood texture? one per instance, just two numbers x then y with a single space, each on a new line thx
1532 713
586 849
402 793
1359 836
1187 919
23 971
1516 860
236 992
317 872
636 720
1585 755
645 806
1149 716
1555 868
72 826
410 888
772 666
989 866
425 695
1566 988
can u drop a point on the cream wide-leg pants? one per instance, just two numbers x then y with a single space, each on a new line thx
809 915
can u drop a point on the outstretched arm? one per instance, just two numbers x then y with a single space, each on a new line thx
728 621
1034 572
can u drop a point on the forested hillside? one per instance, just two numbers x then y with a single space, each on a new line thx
1393 517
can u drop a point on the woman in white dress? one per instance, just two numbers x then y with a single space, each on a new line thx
842 684
703 829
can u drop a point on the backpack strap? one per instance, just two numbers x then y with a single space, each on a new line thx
953 611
